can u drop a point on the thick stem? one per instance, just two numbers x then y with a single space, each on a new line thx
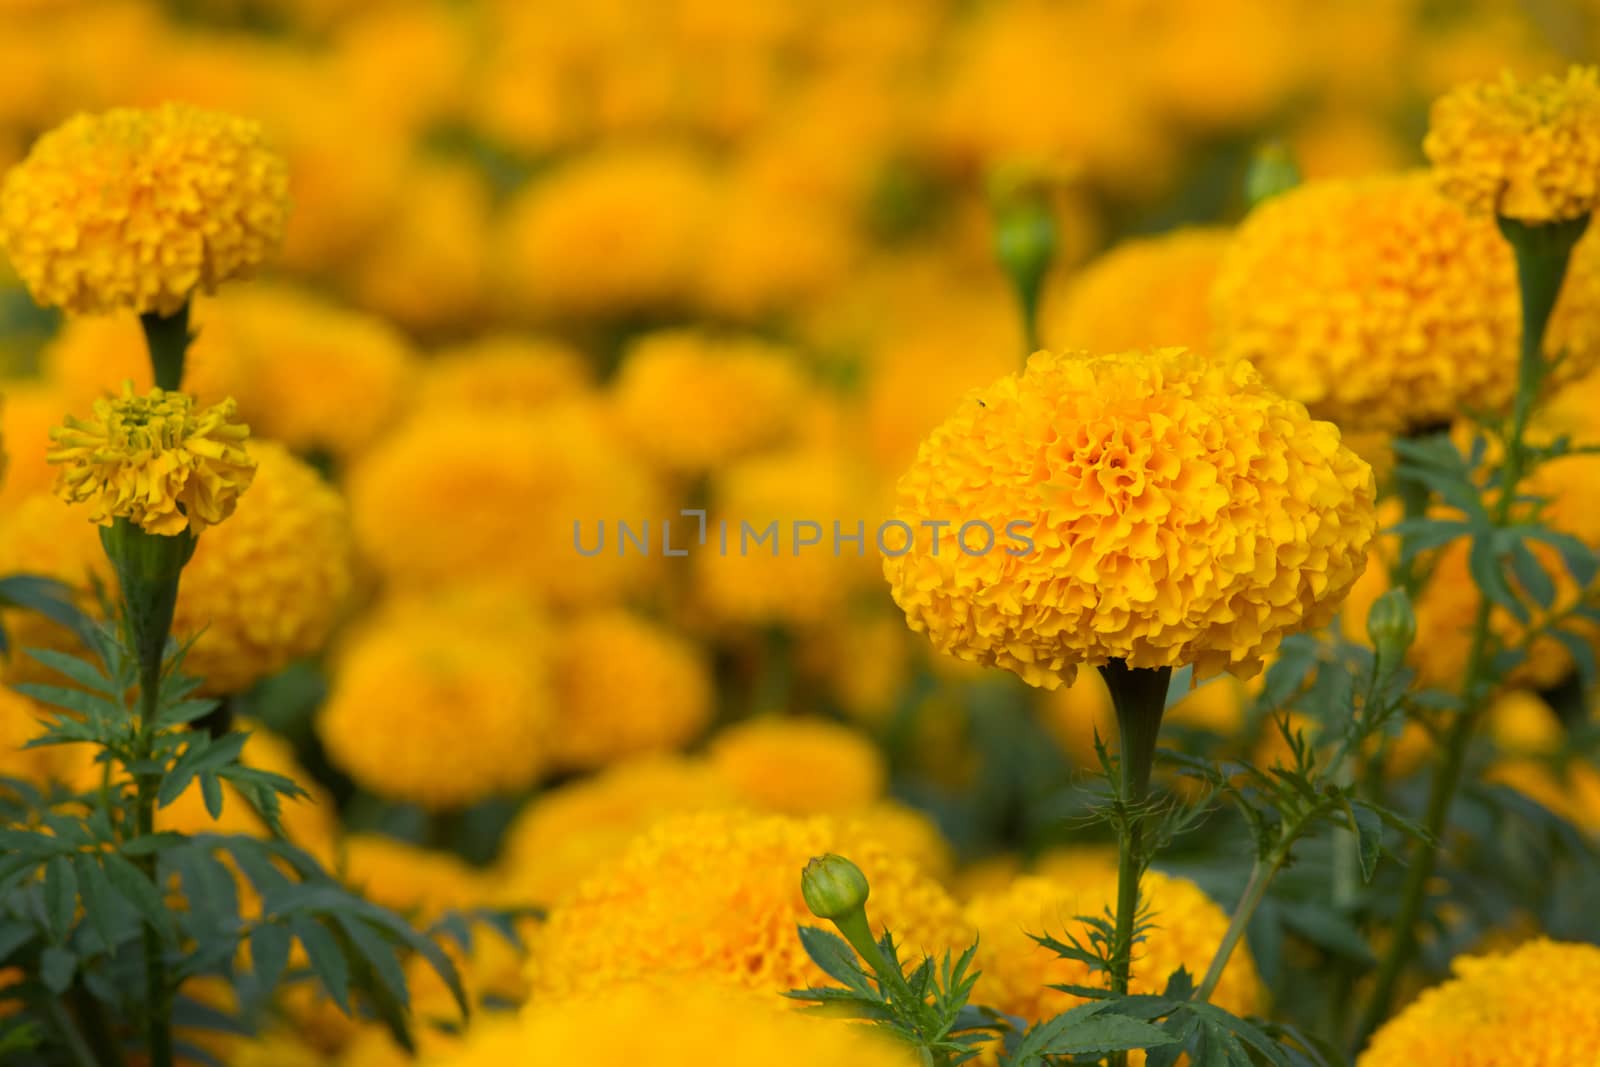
158 995
1542 254
167 337
1139 696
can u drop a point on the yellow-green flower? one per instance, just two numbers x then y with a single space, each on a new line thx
1524 151
155 461
140 209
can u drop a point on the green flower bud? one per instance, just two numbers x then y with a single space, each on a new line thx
833 887
1272 171
1391 625
1025 244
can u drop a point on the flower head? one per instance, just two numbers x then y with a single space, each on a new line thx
155 461
715 897
1381 304
141 209
625 687
801 766
1527 151
1151 507
1536 1006
268 586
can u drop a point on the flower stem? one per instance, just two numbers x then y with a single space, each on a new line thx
1140 698
158 1002
1542 254
1255 889
167 337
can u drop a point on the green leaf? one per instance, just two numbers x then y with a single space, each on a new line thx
78 700
185 712
269 955
1582 654
57 967
49 598
837 959
1424 535
79 670
134 887
1531 576
1484 565
211 792
60 896
32 844
327 960
1109 1033
1368 826
100 902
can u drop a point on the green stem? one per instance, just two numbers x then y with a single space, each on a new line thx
167 337
71 1036
1542 254
1139 696
1414 499
1255 889
98 1031
158 1005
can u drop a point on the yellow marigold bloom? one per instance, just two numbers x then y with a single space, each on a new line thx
692 401
908 832
442 702
408 878
1524 151
501 373
569 831
1176 511
624 686
31 408
522 493
799 766
1571 791
1017 971
612 233
155 461
268 586
21 720
1536 1006
1146 292
1381 304
141 209
715 897
672 1024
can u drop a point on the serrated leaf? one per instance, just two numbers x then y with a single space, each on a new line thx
1582 654
31 844
1531 575
211 793
1368 828
100 905
78 700
153 843
1424 535
1107 1032
1484 566
326 958
133 886
1579 559
834 955
269 956
79 670
185 712
48 597
60 896
13 935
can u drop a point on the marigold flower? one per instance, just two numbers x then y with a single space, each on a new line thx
268 586
155 461
1536 1006
569 831
715 897
799 766
408 878
1017 971
693 402
624 686
442 702
1149 291
1527 151
1381 304
43 535
673 1024
1175 511
141 209
502 373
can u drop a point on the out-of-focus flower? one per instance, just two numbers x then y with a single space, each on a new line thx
41 534
1539 1004
865 661
769 503
141 209
1146 292
442 702
21 720
155 461
569 831
1017 971
908 832
428 268
715 897
1145 534
1525 151
799 766
1222 64
1344 142
769 253
693 402
267 586
1381 304
317 377
521 493
614 233
408 878
671 1024
624 686
501 373
28 412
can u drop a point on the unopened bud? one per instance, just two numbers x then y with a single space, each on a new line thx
1272 171
1025 243
1391 625
833 887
